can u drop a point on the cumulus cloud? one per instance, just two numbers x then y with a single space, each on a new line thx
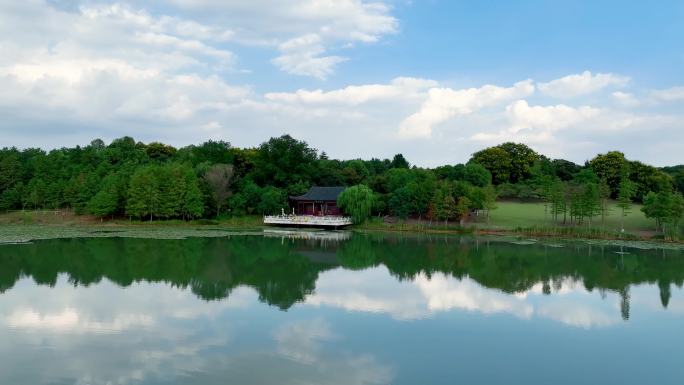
523 116
301 31
174 71
581 84
625 98
668 95
443 104
354 95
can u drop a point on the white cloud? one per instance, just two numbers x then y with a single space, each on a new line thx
443 104
523 116
668 95
625 98
302 31
581 84
354 95
304 56
376 291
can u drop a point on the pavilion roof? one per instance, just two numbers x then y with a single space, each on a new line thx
317 193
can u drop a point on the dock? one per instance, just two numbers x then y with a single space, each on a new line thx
325 221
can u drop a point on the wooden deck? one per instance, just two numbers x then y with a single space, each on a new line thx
329 222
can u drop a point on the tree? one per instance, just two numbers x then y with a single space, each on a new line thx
104 203
160 151
357 201
443 203
604 199
489 202
666 208
192 205
558 199
37 191
399 162
612 167
591 201
675 215
463 209
400 203
507 162
497 161
477 175
143 193
272 200
625 194
283 161
219 178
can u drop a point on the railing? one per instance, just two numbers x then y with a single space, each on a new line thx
307 220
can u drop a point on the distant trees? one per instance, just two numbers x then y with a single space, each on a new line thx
667 208
106 201
399 162
611 167
283 161
624 200
156 180
219 178
507 162
357 201
164 191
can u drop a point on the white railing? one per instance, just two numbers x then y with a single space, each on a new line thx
307 220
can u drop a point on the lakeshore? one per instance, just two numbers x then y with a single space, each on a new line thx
516 220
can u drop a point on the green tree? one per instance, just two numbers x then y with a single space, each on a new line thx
443 203
497 161
666 208
357 202
273 200
477 175
400 203
399 162
283 161
104 203
604 199
143 193
37 191
463 209
624 201
192 205
507 162
612 167
219 178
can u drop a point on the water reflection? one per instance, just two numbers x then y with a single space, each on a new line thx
361 309
285 268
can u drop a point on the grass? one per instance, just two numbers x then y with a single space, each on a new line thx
523 218
529 219
69 218
512 215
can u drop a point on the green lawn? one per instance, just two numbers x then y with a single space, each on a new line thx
518 214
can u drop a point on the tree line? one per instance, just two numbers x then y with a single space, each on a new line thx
155 180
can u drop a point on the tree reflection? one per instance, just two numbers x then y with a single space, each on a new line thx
284 271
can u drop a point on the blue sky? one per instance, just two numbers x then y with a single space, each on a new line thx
435 80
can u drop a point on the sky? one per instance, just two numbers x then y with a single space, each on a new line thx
434 80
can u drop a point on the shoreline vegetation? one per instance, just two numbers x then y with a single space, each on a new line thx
521 220
509 188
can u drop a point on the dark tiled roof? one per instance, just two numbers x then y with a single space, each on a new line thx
320 194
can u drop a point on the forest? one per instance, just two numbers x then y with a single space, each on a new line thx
151 181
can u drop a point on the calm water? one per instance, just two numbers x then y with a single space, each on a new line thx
361 309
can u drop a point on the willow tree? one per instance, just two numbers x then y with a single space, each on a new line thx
357 202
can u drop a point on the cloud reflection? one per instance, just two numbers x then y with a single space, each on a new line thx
375 290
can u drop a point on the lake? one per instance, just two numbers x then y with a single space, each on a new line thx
339 308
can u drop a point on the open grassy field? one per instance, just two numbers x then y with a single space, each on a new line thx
68 218
510 215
